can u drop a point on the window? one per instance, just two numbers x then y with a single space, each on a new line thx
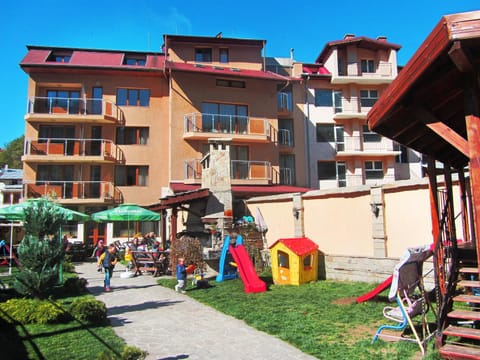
135 60
327 170
287 169
368 66
63 101
368 97
373 170
308 262
231 83
283 260
60 56
226 118
285 101
132 136
203 55
401 158
131 175
223 55
325 133
323 97
133 97
370 136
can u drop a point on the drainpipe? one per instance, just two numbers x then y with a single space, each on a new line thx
307 134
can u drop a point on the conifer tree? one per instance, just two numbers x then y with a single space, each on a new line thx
40 253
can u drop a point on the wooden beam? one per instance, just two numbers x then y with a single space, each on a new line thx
442 130
446 133
460 57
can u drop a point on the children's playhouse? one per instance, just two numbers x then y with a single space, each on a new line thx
294 261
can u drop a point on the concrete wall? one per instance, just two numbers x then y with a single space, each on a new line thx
342 223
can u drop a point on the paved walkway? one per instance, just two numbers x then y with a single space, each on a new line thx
174 326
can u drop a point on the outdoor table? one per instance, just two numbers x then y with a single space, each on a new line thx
146 261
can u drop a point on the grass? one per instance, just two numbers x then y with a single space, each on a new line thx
321 318
74 340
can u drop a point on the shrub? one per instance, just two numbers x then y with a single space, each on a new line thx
33 311
188 248
133 353
75 286
67 264
89 310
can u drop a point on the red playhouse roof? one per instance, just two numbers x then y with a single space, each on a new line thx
300 246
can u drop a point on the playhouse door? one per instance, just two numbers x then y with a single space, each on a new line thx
283 268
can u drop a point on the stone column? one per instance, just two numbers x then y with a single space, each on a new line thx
297 212
379 236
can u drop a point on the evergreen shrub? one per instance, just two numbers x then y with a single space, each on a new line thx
89 310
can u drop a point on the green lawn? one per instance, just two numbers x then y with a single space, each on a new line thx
321 318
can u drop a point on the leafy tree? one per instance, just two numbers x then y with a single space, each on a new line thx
40 253
12 154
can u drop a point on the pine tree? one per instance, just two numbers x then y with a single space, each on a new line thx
41 251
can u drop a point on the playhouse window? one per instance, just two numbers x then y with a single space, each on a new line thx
308 262
283 259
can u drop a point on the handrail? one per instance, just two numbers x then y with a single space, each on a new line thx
228 124
240 169
70 189
74 106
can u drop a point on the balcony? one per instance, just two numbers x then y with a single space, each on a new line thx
201 126
53 109
284 103
352 107
241 172
286 176
73 192
72 150
356 146
351 180
352 73
285 140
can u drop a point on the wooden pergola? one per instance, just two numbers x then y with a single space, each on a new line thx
433 107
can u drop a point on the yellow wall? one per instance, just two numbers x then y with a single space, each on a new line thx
295 274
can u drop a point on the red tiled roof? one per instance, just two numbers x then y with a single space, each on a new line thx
224 70
361 41
315 69
254 190
300 246
37 56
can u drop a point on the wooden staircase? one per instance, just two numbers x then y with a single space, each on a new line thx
461 338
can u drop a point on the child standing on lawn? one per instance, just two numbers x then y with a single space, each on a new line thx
181 276
108 260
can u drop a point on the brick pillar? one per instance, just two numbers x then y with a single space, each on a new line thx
379 236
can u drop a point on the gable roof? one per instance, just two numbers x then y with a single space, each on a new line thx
300 246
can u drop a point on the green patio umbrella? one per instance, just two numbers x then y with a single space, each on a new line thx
126 212
16 212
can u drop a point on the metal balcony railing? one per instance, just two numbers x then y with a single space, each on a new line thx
285 137
286 176
353 105
104 190
227 124
73 147
74 107
285 101
239 170
251 170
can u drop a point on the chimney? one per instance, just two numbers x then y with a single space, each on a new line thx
382 38
292 51
348 36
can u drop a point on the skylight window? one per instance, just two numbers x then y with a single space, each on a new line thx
60 56
135 60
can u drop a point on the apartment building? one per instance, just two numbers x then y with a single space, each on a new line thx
339 89
104 127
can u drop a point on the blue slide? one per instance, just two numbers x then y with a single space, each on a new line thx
227 271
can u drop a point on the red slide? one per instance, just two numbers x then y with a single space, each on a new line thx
249 276
375 291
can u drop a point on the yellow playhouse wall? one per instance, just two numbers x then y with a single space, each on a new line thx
296 273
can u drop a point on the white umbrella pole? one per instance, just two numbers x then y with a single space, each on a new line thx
11 249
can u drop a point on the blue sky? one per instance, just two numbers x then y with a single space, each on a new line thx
140 24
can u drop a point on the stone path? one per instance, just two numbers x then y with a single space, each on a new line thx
174 326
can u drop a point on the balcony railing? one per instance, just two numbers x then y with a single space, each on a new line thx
251 170
226 124
64 190
383 69
286 176
357 144
285 101
355 180
285 138
103 148
239 170
352 105
74 107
